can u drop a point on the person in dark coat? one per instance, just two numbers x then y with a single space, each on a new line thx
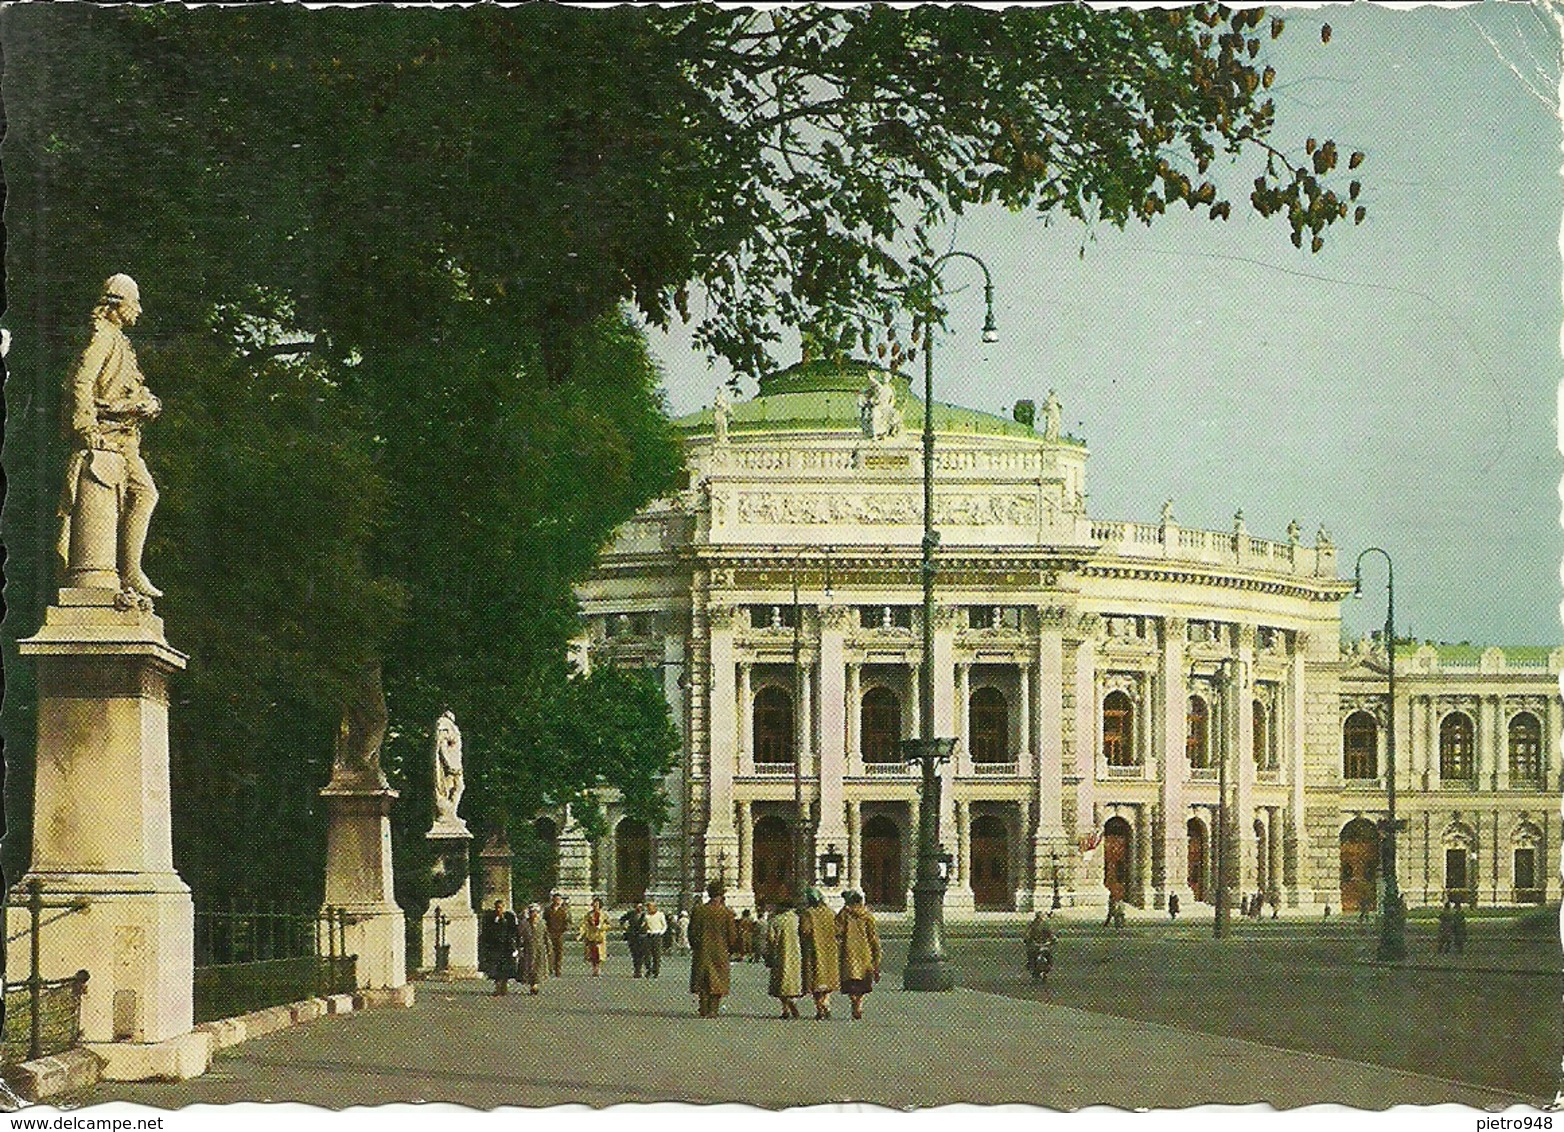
1172 906
714 937
634 924
499 944
1458 928
1446 926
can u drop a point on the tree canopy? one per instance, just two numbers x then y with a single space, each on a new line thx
393 258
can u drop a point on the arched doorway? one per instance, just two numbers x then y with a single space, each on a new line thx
883 885
1196 833
773 868
1359 865
632 860
991 887
1116 856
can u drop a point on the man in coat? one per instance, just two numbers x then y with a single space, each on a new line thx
534 948
714 936
634 924
499 945
557 920
818 934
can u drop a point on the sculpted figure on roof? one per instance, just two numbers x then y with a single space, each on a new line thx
877 409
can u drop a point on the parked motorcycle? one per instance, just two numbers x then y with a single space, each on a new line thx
1040 961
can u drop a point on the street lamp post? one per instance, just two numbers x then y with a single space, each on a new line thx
1222 920
1057 903
803 858
927 968
1392 916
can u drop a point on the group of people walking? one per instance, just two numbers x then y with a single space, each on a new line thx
810 950
512 947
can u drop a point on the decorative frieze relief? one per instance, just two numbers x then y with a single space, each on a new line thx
1374 705
887 508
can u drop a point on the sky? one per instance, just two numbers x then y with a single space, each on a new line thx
1399 387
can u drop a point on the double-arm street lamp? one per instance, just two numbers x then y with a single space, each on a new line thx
1392 916
927 968
803 856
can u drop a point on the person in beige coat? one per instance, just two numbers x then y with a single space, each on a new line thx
714 937
817 931
784 957
860 950
594 934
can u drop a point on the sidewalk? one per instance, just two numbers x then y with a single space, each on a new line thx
617 1040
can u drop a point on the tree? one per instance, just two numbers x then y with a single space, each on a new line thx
405 217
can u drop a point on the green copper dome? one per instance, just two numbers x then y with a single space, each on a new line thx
820 395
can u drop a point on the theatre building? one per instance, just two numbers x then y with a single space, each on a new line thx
1105 682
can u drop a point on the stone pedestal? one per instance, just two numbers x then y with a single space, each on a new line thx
574 879
358 879
102 838
452 854
494 868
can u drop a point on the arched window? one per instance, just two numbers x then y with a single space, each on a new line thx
988 726
1264 751
1360 746
1525 748
879 728
1197 735
773 725
1455 746
1118 730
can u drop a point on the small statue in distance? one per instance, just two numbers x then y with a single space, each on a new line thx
448 784
1052 410
877 411
108 497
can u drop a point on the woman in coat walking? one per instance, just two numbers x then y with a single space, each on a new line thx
499 940
534 948
594 934
860 950
784 956
818 933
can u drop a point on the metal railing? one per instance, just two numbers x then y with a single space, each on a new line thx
1000 770
51 1008
259 956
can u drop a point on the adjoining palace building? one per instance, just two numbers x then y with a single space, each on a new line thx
1097 675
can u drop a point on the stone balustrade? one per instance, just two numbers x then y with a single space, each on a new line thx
1216 548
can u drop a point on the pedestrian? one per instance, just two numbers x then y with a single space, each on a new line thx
682 931
758 944
656 938
714 936
746 936
1275 898
534 948
784 955
1327 912
594 935
860 941
820 939
1446 927
557 920
1172 906
499 940
1243 906
1258 904
634 924
1458 928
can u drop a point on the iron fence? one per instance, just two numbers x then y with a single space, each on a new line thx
258 956
42 1016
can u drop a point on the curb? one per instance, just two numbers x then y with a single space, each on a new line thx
64 1072
227 1032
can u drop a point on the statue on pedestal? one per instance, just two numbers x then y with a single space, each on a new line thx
448 783
360 734
877 410
108 497
721 410
1052 410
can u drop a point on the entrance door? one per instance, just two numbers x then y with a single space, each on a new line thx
1197 859
1526 890
773 871
883 886
991 887
1359 865
632 861
1455 874
1116 857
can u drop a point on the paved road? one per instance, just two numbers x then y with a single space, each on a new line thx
615 1040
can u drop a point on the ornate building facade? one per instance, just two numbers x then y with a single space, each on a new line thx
1113 687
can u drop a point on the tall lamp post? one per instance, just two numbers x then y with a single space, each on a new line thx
927 969
803 857
1223 917
1392 917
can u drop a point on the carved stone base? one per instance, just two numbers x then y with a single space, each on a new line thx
461 932
358 879
176 1059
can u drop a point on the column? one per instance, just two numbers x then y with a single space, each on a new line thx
1482 739
854 845
1431 741
1273 829
746 851
961 868
1550 743
670 847
721 711
945 724
746 719
1146 823
1048 749
1243 755
963 714
1293 847
1175 764
1501 744
1087 722
1023 751
852 740
833 730
913 712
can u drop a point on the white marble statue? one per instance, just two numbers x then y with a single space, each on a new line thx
1051 412
877 410
1167 512
108 497
448 783
721 410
